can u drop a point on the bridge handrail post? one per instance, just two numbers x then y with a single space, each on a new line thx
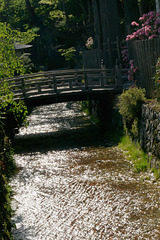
118 72
54 83
86 80
70 83
76 78
23 88
39 88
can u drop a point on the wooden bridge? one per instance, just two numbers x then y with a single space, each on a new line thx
66 85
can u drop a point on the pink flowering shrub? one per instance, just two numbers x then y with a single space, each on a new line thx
148 27
125 59
89 43
132 71
128 65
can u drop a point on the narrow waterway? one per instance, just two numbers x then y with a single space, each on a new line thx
73 185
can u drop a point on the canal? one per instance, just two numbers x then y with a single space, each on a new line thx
73 184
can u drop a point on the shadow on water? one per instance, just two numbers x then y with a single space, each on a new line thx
42 142
27 232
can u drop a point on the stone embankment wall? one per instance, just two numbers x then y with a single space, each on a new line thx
150 132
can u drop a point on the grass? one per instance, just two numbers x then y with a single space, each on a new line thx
135 154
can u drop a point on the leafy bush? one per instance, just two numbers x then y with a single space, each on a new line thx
157 80
69 55
27 63
130 102
14 113
5 209
6 169
9 62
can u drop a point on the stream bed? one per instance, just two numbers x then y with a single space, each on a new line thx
72 184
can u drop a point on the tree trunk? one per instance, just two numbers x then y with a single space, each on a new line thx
107 27
97 23
131 13
109 19
34 18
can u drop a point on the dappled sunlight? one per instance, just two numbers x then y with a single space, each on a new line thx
78 192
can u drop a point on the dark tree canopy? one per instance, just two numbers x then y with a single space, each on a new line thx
69 23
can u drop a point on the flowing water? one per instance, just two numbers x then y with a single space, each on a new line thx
72 184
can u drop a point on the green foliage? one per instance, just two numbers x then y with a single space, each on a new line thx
130 102
58 17
7 166
10 64
14 112
58 23
5 209
27 63
157 80
69 53
8 59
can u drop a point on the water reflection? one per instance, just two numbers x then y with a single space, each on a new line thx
71 185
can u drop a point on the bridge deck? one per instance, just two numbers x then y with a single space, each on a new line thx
64 85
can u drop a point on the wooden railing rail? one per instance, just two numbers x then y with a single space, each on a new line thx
60 81
65 81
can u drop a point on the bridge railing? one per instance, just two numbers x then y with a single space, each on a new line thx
57 82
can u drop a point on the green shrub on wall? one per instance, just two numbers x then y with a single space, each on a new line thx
130 103
157 80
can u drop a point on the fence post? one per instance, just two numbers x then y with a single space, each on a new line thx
118 47
118 71
109 52
103 74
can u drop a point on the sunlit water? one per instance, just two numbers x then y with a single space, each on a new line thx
71 185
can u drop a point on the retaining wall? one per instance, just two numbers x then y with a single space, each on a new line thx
150 132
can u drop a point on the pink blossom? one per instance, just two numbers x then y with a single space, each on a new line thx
128 37
148 27
157 21
151 13
153 36
142 18
135 24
